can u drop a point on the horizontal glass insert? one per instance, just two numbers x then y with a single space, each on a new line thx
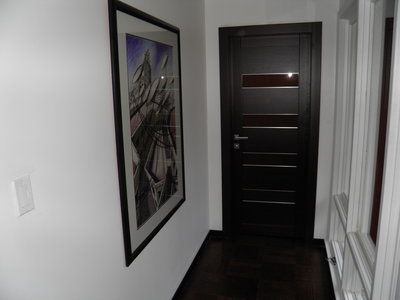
268 166
269 195
270 80
270 120
268 202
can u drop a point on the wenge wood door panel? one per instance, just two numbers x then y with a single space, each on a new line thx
269 140
270 101
268 195
270 84
269 158
268 214
271 76
269 177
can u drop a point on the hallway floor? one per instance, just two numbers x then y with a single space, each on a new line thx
258 268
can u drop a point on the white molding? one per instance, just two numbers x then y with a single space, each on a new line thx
336 281
338 251
373 97
339 126
332 232
341 202
336 230
388 246
361 261
360 117
368 272
368 157
369 248
351 281
342 88
354 296
348 130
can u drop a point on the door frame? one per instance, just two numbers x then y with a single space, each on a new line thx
226 34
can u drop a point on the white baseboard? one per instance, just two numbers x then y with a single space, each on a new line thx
336 282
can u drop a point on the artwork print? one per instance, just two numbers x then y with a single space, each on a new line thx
152 124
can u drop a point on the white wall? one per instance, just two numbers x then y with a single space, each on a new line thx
56 123
220 13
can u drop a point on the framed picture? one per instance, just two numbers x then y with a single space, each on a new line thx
148 122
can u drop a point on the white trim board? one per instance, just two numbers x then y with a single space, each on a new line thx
388 245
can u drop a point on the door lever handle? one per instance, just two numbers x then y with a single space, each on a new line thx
236 137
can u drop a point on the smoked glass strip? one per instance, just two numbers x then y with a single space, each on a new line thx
270 80
268 202
270 120
268 166
269 195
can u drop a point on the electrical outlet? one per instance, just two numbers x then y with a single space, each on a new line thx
23 190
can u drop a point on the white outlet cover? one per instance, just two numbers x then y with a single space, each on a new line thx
23 190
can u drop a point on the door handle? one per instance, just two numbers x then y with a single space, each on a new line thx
236 137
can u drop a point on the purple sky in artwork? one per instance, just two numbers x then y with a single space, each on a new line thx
136 48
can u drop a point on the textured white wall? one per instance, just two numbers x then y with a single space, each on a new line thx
56 123
220 13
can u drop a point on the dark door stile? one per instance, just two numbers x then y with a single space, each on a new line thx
295 175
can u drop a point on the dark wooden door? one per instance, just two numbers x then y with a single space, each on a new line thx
270 83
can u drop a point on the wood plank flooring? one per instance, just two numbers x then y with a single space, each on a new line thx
257 268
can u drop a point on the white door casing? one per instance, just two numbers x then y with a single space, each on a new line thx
364 271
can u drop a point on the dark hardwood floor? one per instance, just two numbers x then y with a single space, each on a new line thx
257 268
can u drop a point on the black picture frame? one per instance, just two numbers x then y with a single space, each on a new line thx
145 63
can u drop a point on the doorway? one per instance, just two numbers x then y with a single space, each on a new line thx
270 89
